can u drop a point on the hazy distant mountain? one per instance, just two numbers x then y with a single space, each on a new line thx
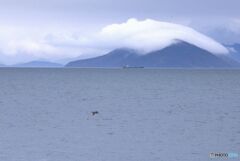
116 58
38 64
182 54
234 51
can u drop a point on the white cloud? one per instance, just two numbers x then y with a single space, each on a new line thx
147 35
151 35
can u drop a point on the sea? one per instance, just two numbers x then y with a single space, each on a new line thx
74 114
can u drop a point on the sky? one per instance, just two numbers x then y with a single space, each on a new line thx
61 30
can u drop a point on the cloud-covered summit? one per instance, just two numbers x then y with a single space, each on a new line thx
150 35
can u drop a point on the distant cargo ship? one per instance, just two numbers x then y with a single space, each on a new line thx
127 66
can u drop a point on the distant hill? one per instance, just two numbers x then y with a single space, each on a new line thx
2 65
116 58
234 51
36 64
182 55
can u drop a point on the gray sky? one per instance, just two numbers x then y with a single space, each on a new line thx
102 12
38 18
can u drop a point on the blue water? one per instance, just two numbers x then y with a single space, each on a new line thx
144 114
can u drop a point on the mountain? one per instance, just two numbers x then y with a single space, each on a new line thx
40 64
234 51
116 58
179 55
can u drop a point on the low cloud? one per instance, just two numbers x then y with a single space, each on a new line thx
145 36
151 35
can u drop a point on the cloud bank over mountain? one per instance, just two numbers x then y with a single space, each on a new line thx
147 35
150 35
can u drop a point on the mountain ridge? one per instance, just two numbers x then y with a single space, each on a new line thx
37 63
234 50
181 54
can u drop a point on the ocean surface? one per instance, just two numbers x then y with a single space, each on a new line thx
144 114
